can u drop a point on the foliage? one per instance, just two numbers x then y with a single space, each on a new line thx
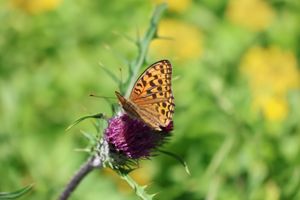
236 85
16 194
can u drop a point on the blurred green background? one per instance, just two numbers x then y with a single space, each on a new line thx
236 87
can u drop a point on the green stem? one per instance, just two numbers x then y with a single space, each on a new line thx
219 157
134 69
143 45
139 190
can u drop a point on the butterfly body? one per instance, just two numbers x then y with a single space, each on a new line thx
151 99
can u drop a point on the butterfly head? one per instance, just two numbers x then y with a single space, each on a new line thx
121 99
128 106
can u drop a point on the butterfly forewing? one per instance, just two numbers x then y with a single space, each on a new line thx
152 95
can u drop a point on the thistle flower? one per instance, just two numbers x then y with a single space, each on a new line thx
133 138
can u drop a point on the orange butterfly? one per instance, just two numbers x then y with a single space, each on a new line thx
151 99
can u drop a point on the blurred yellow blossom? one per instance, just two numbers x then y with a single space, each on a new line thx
184 41
176 5
253 14
272 191
274 108
271 72
36 6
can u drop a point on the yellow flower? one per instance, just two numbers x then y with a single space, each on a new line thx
271 72
274 108
185 41
175 5
36 6
253 14
272 191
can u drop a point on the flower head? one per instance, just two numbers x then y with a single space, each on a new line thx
36 6
261 12
133 138
186 40
178 6
272 72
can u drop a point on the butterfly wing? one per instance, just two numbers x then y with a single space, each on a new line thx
152 95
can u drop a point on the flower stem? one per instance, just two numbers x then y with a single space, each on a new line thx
84 170
219 156
143 46
139 190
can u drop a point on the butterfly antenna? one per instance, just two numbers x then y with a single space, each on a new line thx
102 97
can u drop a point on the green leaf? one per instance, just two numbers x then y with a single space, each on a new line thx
96 116
15 194
91 138
178 158
139 190
110 74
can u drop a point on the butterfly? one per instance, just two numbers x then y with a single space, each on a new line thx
151 99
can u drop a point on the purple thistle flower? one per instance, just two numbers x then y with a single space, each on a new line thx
133 138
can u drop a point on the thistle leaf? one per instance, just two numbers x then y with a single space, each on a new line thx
178 158
91 138
110 74
16 194
96 116
139 190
